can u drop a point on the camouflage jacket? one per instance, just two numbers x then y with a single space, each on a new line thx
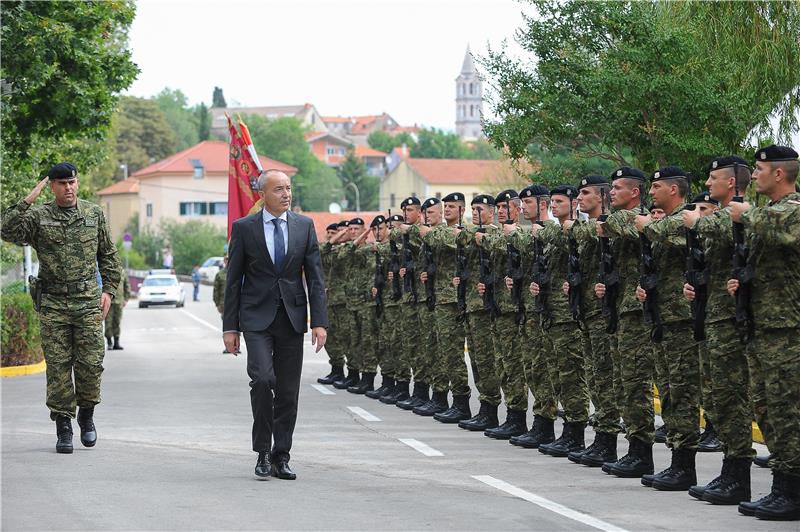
385 251
123 291
364 274
442 240
72 248
557 252
219 288
467 239
773 233
626 249
346 264
585 233
716 232
336 275
668 236
414 243
497 243
523 240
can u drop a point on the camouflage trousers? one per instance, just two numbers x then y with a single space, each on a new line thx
481 356
389 343
679 384
450 368
730 381
601 368
568 356
706 397
634 360
774 356
368 335
337 343
352 328
73 344
113 320
411 334
425 355
540 369
509 361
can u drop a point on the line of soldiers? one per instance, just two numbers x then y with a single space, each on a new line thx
701 299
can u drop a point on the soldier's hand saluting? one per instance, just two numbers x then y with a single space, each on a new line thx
31 198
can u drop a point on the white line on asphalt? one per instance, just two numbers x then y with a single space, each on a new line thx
323 390
421 447
548 504
204 322
363 414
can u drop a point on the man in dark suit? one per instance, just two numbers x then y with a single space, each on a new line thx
269 254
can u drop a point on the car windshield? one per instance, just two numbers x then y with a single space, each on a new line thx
213 261
160 281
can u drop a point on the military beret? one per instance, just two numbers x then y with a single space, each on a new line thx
592 181
483 199
705 197
332 227
776 153
627 172
411 200
564 190
453 196
506 195
343 223
395 218
378 220
430 202
669 172
728 161
357 221
534 191
62 171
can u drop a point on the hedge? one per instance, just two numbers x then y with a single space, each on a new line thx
20 342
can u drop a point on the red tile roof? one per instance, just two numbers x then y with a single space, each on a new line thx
127 186
457 171
337 119
213 154
366 151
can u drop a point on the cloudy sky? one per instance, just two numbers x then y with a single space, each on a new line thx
346 57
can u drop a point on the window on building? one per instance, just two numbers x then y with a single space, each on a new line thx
148 210
199 171
391 200
330 150
342 151
218 208
193 208
471 110
471 88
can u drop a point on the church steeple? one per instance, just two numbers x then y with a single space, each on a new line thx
469 100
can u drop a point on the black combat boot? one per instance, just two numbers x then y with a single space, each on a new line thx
400 393
698 490
420 396
575 456
732 486
108 341
86 423
117 347
437 404
515 425
387 383
661 434
635 464
337 373
64 434
762 461
785 503
683 474
541 432
352 379
486 418
367 384
460 411
709 441
571 440
604 450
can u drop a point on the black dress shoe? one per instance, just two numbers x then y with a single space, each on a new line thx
262 465
86 423
64 435
282 471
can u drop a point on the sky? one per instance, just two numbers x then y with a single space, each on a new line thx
347 57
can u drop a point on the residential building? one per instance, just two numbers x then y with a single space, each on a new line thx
306 113
120 203
332 150
469 101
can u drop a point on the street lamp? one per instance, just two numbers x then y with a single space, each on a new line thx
124 168
358 201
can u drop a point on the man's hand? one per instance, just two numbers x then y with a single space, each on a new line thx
231 340
30 198
404 228
641 295
690 218
374 292
509 283
737 209
600 290
534 288
105 303
535 228
318 337
732 286
509 228
688 292
479 238
565 288
641 220
481 288
402 272
456 281
423 276
599 225
567 225
390 276
424 229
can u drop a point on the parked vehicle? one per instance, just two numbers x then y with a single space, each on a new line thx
211 267
161 289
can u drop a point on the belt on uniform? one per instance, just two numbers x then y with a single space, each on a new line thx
74 287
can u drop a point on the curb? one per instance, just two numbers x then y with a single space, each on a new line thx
18 371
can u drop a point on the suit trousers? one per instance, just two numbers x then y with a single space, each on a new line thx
274 364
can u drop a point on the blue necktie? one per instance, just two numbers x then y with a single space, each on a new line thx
280 247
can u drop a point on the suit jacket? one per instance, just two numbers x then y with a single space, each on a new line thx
254 286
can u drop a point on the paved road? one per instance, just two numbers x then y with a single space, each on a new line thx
174 454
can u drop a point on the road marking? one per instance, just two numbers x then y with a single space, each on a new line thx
547 504
323 390
204 322
421 447
360 412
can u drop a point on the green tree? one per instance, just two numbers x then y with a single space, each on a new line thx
385 142
648 83
482 149
63 65
353 170
149 244
560 166
143 134
181 119
192 242
203 120
218 100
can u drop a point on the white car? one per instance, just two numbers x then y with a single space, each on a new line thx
161 289
211 267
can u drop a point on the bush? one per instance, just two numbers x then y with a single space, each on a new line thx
135 259
20 342
149 245
193 242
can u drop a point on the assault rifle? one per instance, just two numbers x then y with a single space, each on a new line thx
379 283
462 271
743 272
574 278
514 270
394 265
486 274
541 276
608 275
697 275
410 280
648 280
430 269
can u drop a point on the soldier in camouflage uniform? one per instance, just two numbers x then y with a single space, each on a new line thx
773 235
338 343
540 369
679 383
507 333
479 327
114 318
71 238
219 290
633 357
335 358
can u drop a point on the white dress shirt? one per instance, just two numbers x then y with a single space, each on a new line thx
269 232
